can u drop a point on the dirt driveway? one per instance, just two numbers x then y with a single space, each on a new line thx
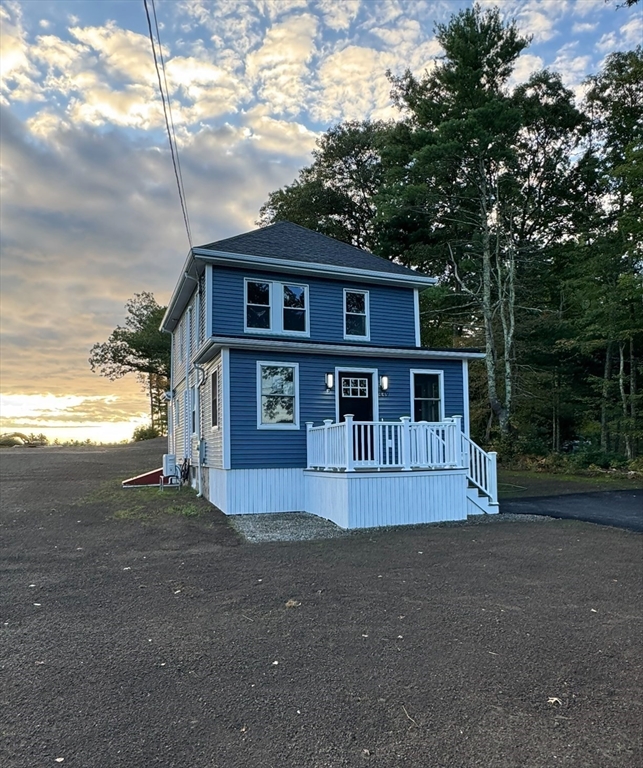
168 642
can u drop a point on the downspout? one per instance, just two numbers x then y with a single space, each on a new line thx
199 370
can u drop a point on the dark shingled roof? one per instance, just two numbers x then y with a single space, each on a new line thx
291 242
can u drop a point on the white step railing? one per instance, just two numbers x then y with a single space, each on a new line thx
482 468
403 445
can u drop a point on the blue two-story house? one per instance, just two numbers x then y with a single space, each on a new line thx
299 384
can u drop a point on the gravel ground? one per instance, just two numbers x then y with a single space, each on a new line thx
300 526
172 642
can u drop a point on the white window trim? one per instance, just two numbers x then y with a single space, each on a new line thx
295 424
440 374
225 408
217 370
367 307
375 384
276 308
194 411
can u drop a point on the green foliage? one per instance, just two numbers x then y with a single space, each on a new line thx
529 209
139 347
335 195
145 432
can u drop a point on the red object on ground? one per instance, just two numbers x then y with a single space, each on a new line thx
147 478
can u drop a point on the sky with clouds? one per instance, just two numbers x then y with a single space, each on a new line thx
89 208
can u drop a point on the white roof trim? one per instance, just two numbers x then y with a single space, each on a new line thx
216 342
308 268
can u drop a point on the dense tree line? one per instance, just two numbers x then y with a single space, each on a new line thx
528 206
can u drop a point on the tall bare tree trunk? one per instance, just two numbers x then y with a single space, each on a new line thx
491 361
607 372
151 390
507 302
633 396
555 413
627 431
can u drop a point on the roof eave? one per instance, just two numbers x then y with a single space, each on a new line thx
183 290
309 268
215 343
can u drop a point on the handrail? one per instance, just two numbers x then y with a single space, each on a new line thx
482 469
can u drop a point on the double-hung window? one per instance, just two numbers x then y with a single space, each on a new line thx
276 307
214 395
277 395
356 315
426 387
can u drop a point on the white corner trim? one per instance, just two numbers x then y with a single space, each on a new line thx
416 300
440 374
209 306
226 420
375 386
465 396
278 427
367 308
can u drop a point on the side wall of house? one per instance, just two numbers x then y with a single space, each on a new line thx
256 448
212 433
392 309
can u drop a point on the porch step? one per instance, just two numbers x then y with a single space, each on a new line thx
480 504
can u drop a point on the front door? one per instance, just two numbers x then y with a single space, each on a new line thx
356 397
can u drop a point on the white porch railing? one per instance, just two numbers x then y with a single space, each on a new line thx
404 445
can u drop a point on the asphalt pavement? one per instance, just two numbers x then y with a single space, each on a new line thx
620 509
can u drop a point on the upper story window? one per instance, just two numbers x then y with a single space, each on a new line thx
276 307
356 315
181 339
258 305
214 392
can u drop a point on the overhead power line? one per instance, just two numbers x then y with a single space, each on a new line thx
167 113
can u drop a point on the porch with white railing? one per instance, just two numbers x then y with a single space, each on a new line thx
405 446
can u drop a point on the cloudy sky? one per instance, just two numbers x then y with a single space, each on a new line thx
89 210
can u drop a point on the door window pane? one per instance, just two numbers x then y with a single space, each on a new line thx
278 394
355 387
426 397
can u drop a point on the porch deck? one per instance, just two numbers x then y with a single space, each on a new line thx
391 448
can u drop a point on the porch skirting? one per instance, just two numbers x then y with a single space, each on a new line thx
373 499
349 499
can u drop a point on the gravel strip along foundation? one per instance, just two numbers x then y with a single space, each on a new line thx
301 526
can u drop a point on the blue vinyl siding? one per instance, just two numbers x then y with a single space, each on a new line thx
392 310
253 448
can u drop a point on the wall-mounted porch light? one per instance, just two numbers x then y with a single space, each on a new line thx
384 383
330 380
